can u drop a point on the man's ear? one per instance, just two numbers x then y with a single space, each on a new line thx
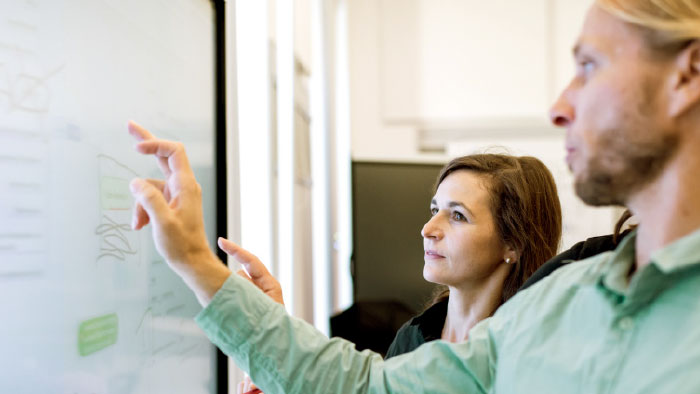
685 92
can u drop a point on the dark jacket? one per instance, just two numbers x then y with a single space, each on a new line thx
423 328
580 251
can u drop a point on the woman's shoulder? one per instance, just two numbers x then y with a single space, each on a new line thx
580 251
420 329
407 339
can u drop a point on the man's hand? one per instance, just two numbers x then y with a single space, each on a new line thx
247 387
257 274
255 270
174 209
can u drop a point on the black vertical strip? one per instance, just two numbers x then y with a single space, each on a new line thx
220 155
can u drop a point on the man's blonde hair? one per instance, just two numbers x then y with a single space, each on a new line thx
669 24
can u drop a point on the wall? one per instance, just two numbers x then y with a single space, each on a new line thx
430 80
421 65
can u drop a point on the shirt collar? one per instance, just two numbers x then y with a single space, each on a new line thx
615 273
679 254
675 256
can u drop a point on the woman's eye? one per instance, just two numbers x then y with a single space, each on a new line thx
458 216
433 211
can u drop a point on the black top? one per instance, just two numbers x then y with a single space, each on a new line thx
580 251
423 328
428 326
371 324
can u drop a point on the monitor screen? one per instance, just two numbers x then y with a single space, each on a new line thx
391 203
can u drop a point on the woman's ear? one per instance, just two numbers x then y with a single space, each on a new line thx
685 87
511 256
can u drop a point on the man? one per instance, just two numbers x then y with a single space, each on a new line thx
620 322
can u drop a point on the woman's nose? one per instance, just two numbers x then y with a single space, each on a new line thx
432 229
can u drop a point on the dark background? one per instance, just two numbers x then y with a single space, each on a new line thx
391 203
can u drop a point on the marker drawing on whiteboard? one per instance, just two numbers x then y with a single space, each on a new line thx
114 242
29 93
117 239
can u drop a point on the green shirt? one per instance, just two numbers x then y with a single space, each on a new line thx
583 329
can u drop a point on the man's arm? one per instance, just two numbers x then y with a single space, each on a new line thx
285 354
282 353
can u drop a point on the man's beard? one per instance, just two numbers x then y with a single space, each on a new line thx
623 167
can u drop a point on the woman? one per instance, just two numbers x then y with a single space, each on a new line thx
495 220
431 323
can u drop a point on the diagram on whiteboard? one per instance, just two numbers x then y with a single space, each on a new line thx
25 97
92 307
117 240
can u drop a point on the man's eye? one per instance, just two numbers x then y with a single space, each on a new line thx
587 67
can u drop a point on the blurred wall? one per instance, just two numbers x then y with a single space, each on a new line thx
435 79
424 73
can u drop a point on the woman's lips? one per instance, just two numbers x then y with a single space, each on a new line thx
431 254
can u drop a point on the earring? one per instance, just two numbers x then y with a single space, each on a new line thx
507 260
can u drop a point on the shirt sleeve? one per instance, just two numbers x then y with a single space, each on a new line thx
284 354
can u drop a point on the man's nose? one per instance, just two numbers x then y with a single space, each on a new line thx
562 112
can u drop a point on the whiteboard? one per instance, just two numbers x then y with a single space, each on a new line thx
87 306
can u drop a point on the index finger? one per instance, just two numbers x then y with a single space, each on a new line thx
255 268
139 132
174 152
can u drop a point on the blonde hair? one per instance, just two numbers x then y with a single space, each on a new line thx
670 24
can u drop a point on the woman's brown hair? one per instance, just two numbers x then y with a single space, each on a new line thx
525 208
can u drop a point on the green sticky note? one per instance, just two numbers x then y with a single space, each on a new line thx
97 334
114 193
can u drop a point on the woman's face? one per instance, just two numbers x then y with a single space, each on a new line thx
461 244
